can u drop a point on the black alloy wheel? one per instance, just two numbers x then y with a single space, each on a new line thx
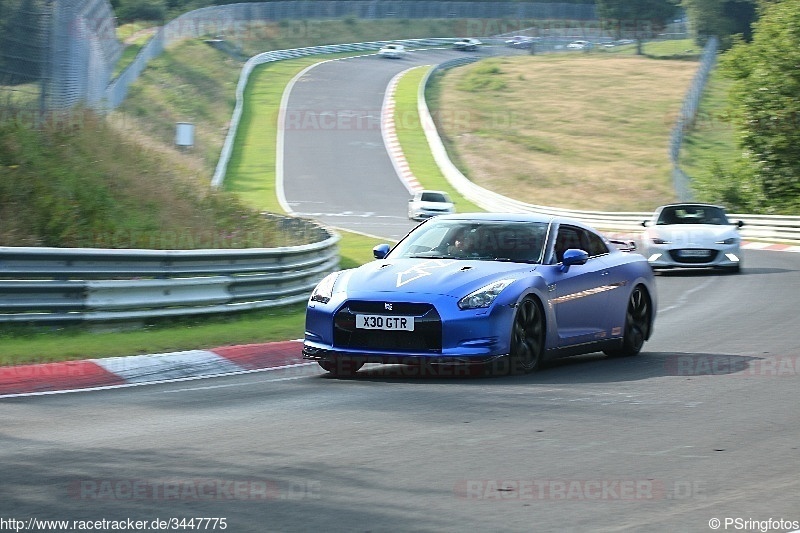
637 324
527 338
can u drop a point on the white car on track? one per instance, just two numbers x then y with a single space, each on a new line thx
427 204
392 51
467 45
692 235
579 45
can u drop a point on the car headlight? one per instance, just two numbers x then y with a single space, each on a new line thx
484 296
729 240
324 290
659 240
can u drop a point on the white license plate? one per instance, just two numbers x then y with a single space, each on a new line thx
694 253
385 322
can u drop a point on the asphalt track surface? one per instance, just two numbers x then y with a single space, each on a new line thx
702 425
336 166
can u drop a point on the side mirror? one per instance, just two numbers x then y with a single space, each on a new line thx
645 223
380 251
740 224
572 257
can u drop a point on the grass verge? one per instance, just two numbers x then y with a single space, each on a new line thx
411 134
583 131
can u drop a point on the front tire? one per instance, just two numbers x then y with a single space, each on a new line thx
527 338
637 324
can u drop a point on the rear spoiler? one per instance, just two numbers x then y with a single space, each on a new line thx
626 245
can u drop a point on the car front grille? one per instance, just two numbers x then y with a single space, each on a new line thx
426 337
688 256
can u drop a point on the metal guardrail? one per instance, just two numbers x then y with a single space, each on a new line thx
775 228
63 285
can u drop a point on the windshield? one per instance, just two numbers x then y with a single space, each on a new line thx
434 197
464 239
692 214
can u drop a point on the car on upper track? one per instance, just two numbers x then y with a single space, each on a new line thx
580 45
521 41
425 204
468 45
692 235
392 51
503 291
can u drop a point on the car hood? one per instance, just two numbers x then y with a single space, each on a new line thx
454 277
693 234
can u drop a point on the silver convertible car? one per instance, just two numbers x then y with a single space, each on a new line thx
692 235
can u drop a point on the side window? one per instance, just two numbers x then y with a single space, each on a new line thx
568 237
572 237
597 246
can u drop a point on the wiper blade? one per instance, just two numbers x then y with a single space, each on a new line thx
434 256
508 260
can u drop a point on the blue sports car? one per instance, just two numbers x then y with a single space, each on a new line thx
512 290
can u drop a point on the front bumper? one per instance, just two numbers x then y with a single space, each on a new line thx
442 334
313 352
422 214
709 257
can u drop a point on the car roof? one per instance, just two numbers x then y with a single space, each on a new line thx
689 204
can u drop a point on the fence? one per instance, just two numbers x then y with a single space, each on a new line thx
63 285
688 113
232 19
55 54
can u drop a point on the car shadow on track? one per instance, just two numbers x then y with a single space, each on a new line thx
590 368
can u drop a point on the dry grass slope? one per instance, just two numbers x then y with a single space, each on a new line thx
581 132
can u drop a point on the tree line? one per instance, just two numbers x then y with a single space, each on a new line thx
765 110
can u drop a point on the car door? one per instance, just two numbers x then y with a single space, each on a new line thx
577 295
